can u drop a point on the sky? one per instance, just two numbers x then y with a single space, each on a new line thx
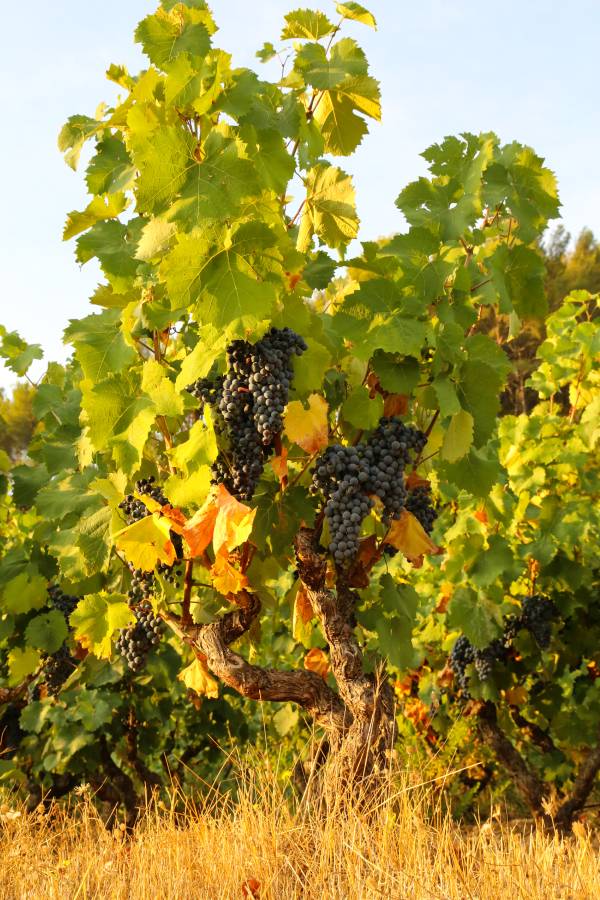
526 69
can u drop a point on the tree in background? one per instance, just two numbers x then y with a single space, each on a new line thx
17 420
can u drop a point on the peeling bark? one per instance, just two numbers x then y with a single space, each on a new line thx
371 731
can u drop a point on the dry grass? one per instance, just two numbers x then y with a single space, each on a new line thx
263 846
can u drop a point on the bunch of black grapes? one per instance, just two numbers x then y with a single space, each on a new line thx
537 615
420 504
249 401
59 665
136 641
350 477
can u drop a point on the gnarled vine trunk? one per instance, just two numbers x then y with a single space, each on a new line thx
359 718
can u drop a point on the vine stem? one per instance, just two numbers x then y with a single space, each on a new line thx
186 617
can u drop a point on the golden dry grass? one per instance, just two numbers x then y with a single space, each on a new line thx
262 846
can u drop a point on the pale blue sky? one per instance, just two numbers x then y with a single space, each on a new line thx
527 69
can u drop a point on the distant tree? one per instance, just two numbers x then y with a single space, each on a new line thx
17 421
571 269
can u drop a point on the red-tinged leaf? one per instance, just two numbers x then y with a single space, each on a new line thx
279 465
408 535
316 660
198 531
309 428
482 516
395 405
416 481
304 609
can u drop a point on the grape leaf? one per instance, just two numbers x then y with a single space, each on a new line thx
308 427
147 542
330 210
47 631
197 678
96 618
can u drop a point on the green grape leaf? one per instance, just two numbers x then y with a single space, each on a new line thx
475 473
110 170
357 13
94 540
459 436
164 35
22 663
99 344
319 271
96 618
330 210
73 136
99 209
47 631
18 353
498 560
475 615
161 390
362 411
200 449
164 156
190 491
110 242
24 592
346 60
306 24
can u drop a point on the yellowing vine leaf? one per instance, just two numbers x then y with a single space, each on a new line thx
197 678
147 542
408 535
198 531
316 660
226 578
308 427
233 523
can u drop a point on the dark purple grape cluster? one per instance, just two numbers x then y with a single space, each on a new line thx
420 504
64 603
462 655
250 400
141 586
57 669
349 478
536 617
134 508
136 641
271 377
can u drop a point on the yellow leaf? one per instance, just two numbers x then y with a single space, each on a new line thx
308 427
147 542
234 521
408 535
226 578
316 660
516 696
196 677
198 531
